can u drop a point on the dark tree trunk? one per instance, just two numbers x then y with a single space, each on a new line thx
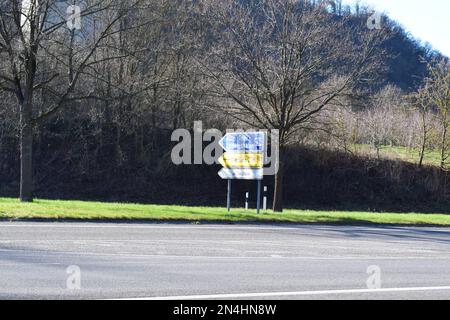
422 156
26 155
278 189
25 99
424 140
443 145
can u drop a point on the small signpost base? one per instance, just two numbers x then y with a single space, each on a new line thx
229 196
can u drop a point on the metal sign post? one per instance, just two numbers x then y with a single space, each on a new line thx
229 196
247 196
265 199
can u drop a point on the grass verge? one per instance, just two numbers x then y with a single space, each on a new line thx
12 209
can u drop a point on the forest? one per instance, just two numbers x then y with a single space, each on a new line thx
87 111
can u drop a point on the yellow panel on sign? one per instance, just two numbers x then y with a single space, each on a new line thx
242 160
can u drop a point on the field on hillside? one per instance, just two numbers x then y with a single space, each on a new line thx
12 209
432 157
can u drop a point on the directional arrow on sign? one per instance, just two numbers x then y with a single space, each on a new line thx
242 160
242 174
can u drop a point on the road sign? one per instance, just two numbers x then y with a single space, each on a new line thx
241 174
244 142
242 160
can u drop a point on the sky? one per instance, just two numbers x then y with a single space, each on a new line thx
427 20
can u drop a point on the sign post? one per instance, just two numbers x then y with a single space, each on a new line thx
243 160
258 201
229 196
265 199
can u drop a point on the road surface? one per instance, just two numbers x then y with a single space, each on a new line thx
176 261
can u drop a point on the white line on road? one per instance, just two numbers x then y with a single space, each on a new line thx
30 264
297 293
31 253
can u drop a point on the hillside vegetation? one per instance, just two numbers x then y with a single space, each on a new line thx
88 114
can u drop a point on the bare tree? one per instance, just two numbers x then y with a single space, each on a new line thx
382 120
49 51
437 87
278 64
421 104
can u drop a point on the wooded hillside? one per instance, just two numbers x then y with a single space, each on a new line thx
88 114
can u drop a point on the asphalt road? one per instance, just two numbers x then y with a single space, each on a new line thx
118 261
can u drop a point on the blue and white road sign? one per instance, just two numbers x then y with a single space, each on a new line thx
241 174
244 142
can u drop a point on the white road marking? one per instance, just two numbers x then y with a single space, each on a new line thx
31 253
291 294
30 264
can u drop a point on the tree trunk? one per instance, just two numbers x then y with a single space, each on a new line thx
422 156
443 145
278 189
26 155
424 140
